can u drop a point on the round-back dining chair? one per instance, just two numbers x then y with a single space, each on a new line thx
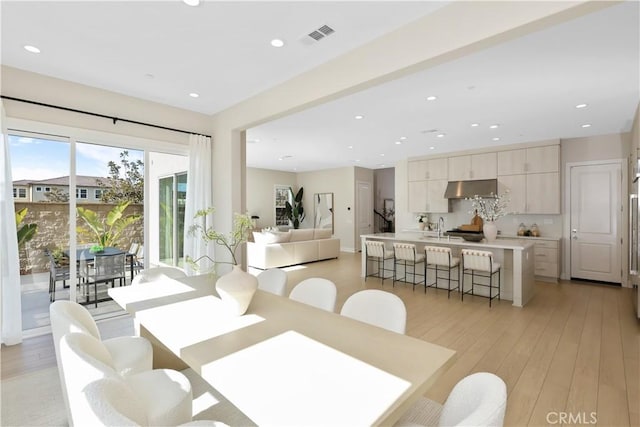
316 291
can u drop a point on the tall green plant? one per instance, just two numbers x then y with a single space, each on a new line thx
25 231
106 231
295 212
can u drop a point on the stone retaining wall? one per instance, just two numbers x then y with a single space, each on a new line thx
53 231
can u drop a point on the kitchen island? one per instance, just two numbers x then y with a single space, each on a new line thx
515 256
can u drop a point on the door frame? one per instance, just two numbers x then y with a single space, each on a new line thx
622 215
357 213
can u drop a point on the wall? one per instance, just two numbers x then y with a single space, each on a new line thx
53 230
341 183
260 193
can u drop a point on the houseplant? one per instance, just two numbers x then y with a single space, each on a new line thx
236 289
295 211
105 232
490 210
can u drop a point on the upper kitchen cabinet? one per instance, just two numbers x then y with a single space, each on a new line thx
543 159
417 196
428 196
543 193
474 166
529 160
516 185
422 170
417 170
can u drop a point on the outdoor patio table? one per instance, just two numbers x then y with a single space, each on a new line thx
86 255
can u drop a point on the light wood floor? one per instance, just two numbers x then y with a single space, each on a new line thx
574 348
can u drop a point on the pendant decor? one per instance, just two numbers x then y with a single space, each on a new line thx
236 289
490 231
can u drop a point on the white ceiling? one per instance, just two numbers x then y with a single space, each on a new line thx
221 50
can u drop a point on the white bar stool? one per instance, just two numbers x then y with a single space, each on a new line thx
480 264
405 254
378 253
439 259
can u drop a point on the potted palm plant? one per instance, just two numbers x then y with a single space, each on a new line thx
104 232
295 211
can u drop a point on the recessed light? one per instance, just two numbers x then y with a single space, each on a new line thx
432 148
431 98
194 95
31 49
440 135
494 126
381 154
356 160
277 43
402 138
496 139
381 165
398 142
475 125
350 147
359 117
581 106
586 125
191 2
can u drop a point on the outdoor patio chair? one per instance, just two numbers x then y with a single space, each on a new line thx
106 269
57 272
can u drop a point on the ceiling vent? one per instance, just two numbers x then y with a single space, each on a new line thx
318 34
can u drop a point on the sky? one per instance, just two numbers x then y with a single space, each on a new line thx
37 159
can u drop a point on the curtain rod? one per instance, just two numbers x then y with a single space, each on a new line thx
89 113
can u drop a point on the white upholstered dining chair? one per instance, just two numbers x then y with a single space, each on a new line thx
273 280
316 291
129 354
378 308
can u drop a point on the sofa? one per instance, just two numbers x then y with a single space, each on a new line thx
271 249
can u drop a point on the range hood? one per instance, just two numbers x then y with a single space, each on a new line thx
463 189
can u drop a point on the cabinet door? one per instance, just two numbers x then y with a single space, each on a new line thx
517 186
435 196
543 193
543 159
512 162
417 170
459 168
418 196
484 166
438 169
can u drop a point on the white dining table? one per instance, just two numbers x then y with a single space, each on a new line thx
283 362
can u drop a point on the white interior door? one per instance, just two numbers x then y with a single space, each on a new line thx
364 209
596 213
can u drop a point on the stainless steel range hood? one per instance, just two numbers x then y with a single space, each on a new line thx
463 189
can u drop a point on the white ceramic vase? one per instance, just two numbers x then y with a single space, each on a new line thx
490 231
236 290
421 225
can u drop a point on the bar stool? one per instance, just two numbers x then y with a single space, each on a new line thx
480 264
439 259
376 252
405 254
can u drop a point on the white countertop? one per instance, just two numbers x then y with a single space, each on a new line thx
500 243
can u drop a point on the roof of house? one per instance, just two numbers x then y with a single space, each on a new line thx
81 181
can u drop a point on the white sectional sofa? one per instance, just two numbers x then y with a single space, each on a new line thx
280 249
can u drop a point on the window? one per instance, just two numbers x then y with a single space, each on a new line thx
47 189
173 196
19 193
97 194
39 189
81 193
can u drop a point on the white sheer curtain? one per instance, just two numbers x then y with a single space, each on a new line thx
199 196
10 303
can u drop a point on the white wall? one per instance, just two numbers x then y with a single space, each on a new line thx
260 193
341 183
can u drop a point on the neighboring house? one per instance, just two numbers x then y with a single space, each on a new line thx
87 189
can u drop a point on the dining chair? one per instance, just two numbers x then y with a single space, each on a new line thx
130 354
112 402
167 393
273 280
378 308
479 399
155 273
316 291
57 272
106 269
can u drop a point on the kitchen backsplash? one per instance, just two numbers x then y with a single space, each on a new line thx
548 225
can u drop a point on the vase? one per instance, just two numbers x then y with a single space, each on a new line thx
421 225
490 231
236 289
